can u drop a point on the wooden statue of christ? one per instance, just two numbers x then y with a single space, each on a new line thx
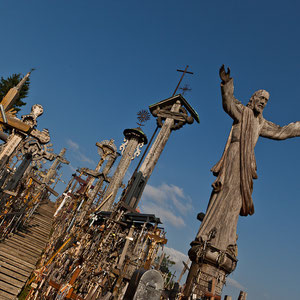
232 190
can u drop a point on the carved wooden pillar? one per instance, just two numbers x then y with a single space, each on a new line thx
105 172
173 111
209 264
59 159
134 139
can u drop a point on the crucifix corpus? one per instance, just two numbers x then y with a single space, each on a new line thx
214 251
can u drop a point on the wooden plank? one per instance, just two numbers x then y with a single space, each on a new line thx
9 288
6 296
15 264
13 274
43 220
36 234
16 259
20 254
13 281
19 249
15 269
28 240
46 211
39 231
15 123
26 246
34 239
43 217
39 224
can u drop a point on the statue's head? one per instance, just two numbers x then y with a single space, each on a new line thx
37 110
258 101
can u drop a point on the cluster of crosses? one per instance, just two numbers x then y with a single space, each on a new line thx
103 248
25 181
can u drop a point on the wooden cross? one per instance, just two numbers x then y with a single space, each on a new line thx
23 127
62 287
155 239
211 295
185 268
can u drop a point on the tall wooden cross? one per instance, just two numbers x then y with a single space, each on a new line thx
22 127
58 160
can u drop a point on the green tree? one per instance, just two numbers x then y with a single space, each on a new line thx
7 83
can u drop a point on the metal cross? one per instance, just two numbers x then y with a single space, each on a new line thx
184 72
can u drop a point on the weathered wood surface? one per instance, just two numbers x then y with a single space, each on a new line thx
20 253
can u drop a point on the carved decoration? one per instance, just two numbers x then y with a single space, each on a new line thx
137 151
123 146
180 118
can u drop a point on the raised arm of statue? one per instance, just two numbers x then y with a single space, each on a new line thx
230 104
275 132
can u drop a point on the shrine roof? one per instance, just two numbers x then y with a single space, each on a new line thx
132 217
171 100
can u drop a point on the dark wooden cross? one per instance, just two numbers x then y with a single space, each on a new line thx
183 73
61 287
211 295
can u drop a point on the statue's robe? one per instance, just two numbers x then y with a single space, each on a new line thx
232 190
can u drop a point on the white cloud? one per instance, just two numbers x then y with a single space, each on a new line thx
73 145
234 283
72 168
164 214
167 202
173 193
78 154
176 256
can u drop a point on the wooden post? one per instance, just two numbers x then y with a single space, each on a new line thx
185 268
174 114
133 138
125 248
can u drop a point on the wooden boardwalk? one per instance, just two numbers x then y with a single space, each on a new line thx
20 253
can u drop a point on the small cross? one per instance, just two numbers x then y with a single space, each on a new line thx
62 287
183 73
186 88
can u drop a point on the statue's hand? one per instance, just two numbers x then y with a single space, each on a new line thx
225 76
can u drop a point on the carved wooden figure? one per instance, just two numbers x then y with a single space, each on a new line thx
215 249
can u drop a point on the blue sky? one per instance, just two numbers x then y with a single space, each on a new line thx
99 62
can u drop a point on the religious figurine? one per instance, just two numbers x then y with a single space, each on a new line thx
232 190
215 243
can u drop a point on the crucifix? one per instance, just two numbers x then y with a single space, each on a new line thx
59 159
155 240
65 291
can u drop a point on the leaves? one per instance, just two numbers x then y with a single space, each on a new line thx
7 83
